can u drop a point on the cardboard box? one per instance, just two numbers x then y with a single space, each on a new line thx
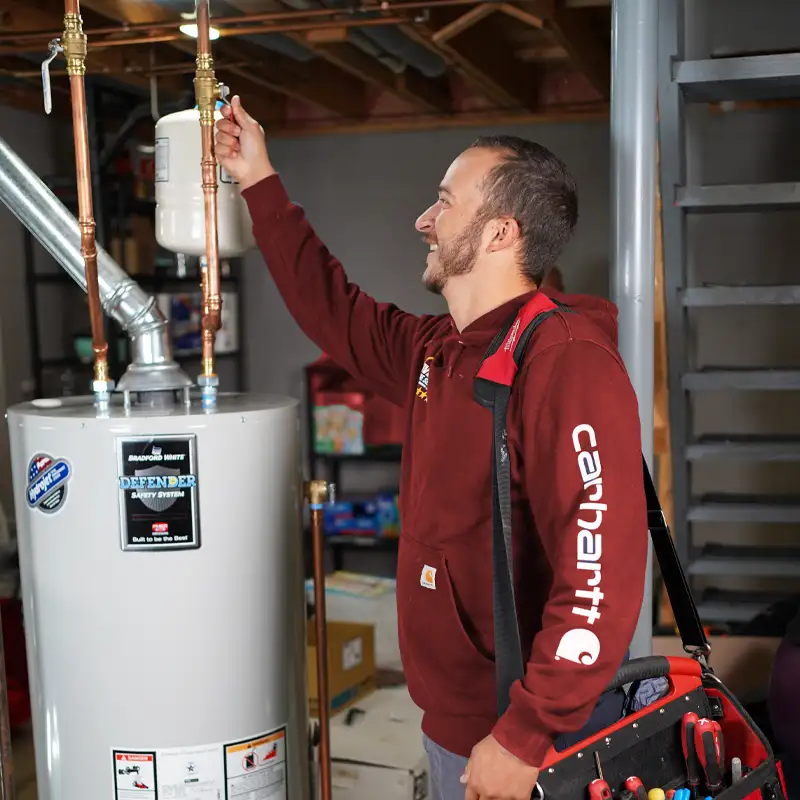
380 754
351 664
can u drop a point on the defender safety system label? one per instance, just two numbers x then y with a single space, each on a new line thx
47 483
158 500
249 769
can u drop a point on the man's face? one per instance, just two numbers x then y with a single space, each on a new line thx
449 226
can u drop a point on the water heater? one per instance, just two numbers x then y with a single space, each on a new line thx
180 209
162 579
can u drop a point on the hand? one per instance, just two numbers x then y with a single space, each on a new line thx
492 773
241 147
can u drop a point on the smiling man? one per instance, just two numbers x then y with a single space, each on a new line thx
503 213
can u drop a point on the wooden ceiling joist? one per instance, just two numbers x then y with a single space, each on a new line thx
571 28
327 72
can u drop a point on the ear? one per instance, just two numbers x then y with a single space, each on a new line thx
503 233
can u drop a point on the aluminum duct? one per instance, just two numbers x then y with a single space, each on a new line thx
46 217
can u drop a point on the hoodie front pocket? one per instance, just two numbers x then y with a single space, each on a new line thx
445 671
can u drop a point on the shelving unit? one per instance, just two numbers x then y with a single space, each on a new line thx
683 82
329 467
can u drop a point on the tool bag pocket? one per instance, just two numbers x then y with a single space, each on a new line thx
648 744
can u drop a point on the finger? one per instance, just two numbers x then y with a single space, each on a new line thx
226 140
229 127
240 115
226 152
226 110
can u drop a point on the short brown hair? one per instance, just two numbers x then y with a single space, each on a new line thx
534 187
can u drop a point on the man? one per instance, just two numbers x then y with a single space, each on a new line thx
502 215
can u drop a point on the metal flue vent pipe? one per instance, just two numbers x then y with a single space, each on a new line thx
46 217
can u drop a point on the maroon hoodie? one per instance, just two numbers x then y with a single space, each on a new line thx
579 516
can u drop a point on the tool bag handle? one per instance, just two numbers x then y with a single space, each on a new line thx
492 387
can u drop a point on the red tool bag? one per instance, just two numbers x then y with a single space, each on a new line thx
671 744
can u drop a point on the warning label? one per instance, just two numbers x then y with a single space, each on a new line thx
255 769
135 776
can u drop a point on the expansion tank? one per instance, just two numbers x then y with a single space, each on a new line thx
162 581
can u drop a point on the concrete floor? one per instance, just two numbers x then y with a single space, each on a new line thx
24 766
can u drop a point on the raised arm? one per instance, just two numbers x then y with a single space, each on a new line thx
372 341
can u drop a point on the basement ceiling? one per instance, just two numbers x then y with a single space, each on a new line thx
313 66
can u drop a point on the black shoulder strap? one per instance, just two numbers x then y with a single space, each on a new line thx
493 384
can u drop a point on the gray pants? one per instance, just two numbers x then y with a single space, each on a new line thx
446 769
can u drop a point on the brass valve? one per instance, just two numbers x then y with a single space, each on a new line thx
75 44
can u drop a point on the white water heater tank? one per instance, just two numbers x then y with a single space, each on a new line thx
180 207
162 579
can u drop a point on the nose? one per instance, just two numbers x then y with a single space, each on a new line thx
425 221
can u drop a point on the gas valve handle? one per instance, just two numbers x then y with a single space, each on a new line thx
55 48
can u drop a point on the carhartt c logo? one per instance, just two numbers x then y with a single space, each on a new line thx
580 646
428 577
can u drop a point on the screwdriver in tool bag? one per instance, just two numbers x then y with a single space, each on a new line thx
633 784
711 751
598 788
688 723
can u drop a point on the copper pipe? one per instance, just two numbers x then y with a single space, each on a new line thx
266 16
296 27
181 68
75 47
207 93
317 496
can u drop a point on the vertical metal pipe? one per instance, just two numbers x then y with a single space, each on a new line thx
75 47
318 495
207 93
634 80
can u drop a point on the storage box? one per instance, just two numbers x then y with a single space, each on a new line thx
351 664
380 753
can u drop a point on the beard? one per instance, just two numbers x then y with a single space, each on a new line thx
456 257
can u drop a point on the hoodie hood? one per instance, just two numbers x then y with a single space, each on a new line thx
446 346
603 313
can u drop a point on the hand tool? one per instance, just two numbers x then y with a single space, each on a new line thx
688 724
736 769
598 788
656 794
633 784
670 794
711 751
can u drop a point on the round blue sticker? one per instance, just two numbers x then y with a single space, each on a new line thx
47 482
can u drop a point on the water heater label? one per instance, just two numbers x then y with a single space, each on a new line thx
162 160
249 769
256 768
225 176
158 500
135 775
47 483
